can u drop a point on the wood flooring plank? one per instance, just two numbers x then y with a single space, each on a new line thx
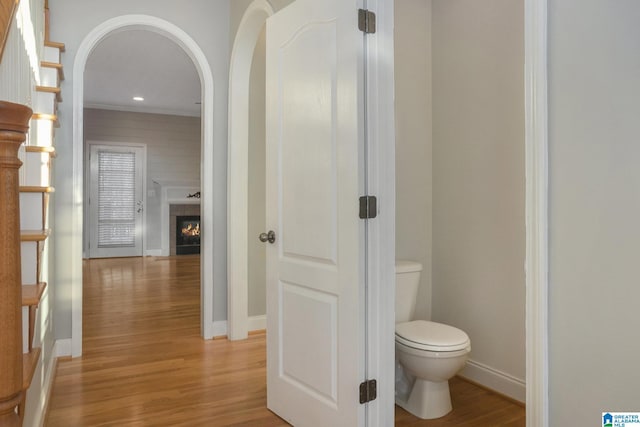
144 362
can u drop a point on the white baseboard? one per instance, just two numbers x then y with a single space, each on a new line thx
153 252
257 323
62 348
39 392
494 379
47 388
219 328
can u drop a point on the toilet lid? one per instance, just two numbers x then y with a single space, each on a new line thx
431 336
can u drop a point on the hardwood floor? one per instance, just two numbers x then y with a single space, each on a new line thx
144 363
472 406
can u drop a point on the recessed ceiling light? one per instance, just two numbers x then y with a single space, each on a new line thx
138 98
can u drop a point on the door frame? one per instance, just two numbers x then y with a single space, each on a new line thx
244 45
381 176
536 212
381 240
87 189
192 49
382 181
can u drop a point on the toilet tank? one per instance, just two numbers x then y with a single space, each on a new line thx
407 282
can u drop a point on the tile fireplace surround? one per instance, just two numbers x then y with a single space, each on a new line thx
175 202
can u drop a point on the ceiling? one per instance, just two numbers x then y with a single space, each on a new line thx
141 63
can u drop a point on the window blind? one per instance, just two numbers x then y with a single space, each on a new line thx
116 199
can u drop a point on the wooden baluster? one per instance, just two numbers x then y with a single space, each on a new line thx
14 123
46 19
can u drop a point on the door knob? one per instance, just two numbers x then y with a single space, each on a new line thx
268 237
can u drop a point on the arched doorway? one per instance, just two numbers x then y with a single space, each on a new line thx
192 49
244 45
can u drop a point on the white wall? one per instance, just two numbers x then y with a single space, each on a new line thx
478 183
173 152
594 64
413 141
207 22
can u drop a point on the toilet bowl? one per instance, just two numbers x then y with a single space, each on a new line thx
428 353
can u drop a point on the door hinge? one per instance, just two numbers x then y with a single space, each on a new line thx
366 21
368 207
368 391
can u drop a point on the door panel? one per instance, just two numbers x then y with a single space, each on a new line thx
115 201
315 286
309 338
308 176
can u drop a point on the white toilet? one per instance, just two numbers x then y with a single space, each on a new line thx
429 353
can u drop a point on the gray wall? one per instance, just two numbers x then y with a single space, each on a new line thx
207 22
460 173
257 253
414 141
594 88
257 273
256 250
173 152
478 177
594 183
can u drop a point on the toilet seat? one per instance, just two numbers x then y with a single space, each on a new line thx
431 336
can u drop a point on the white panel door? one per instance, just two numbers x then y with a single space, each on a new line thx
315 291
115 201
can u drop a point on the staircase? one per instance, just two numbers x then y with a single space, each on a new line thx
26 191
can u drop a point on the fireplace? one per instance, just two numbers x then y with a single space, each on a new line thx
187 235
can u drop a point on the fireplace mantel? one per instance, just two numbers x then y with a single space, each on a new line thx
174 195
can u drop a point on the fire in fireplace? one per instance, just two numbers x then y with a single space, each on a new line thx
187 235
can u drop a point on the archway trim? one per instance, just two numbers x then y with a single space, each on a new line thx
180 37
244 46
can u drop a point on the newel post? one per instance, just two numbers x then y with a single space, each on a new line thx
14 123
